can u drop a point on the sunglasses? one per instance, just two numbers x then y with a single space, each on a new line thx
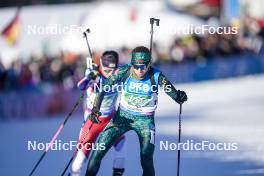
141 67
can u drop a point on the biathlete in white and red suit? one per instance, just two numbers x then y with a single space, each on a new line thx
90 131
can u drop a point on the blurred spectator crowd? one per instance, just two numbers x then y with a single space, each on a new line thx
199 48
62 70
65 69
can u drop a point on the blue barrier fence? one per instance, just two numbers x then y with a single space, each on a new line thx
214 68
35 104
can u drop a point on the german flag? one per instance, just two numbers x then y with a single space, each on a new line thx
12 31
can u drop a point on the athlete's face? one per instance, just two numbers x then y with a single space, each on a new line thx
140 70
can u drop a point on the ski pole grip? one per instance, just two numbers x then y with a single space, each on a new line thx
89 63
87 31
154 20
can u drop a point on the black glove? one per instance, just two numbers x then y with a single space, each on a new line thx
94 116
181 97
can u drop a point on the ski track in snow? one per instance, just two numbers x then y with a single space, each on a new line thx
229 110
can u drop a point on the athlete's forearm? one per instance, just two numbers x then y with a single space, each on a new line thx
166 85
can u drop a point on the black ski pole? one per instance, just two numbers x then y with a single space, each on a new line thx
179 141
152 22
88 65
57 133
85 35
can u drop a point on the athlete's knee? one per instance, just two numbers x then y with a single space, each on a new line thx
147 149
147 152
146 157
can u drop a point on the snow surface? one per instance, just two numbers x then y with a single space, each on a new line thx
229 110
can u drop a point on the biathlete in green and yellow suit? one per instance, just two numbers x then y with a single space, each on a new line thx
138 102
